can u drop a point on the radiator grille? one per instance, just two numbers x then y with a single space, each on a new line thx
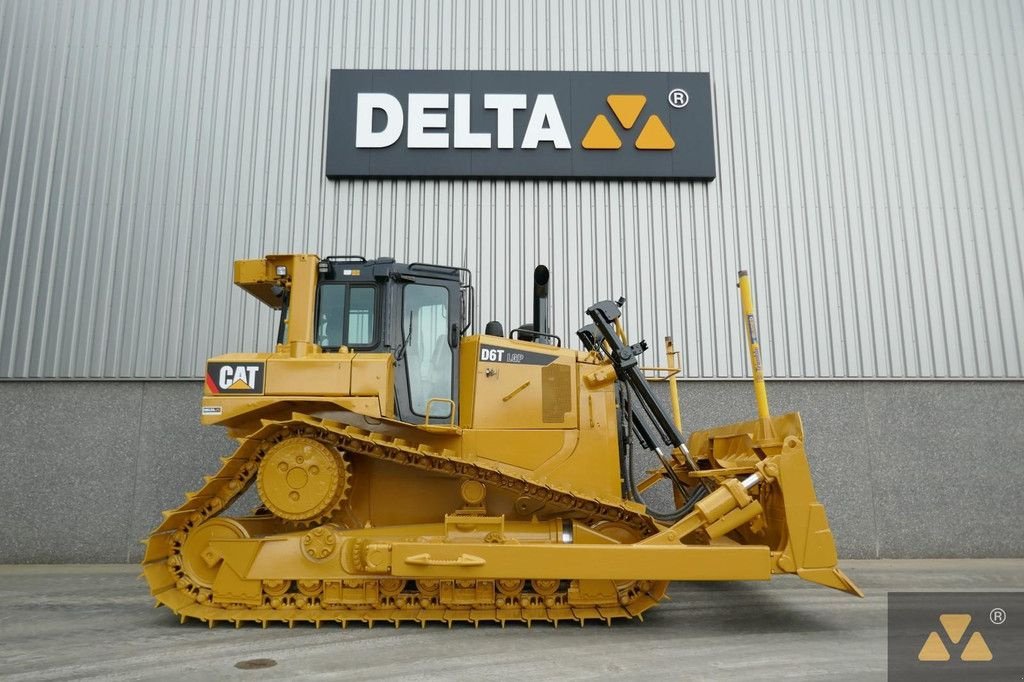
556 394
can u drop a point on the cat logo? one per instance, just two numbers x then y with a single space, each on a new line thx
955 625
230 377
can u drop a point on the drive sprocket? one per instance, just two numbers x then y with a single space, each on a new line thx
303 480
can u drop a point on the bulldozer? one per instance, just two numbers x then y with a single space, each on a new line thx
410 471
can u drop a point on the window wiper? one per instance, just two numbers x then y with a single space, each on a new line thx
400 353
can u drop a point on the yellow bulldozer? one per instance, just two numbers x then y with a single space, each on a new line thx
409 471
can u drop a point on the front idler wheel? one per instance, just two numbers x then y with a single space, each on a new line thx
198 560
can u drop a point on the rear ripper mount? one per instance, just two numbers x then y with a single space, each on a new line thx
409 472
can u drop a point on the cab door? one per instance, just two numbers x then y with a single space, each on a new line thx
426 361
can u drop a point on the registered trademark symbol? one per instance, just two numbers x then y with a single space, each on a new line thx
997 616
678 98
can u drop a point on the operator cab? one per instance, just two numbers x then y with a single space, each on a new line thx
416 312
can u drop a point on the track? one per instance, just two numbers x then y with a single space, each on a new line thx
382 600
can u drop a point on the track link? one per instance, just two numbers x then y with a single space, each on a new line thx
384 600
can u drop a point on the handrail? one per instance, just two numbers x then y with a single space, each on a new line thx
451 415
525 330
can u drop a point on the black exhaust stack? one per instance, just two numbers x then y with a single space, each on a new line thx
541 305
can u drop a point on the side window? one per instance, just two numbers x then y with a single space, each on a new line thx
330 309
428 355
346 316
361 309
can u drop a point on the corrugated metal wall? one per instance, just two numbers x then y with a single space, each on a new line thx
870 176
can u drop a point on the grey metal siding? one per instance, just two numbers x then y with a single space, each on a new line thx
870 177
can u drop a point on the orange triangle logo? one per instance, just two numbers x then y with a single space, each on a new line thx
600 135
655 135
976 649
239 385
627 108
933 649
955 625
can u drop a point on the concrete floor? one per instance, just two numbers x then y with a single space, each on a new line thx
74 622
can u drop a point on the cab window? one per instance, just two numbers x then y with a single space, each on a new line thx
346 316
428 355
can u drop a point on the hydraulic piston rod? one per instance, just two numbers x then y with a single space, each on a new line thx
753 344
765 431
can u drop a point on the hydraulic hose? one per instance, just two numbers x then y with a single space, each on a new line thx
660 515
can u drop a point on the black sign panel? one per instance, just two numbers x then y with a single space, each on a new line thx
515 356
235 377
551 124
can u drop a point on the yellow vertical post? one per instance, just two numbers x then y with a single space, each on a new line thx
765 430
301 269
673 389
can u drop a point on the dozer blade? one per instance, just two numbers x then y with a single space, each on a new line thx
795 523
811 550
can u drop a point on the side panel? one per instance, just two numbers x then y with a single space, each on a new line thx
522 404
318 375
510 384
373 375
594 464
280 379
